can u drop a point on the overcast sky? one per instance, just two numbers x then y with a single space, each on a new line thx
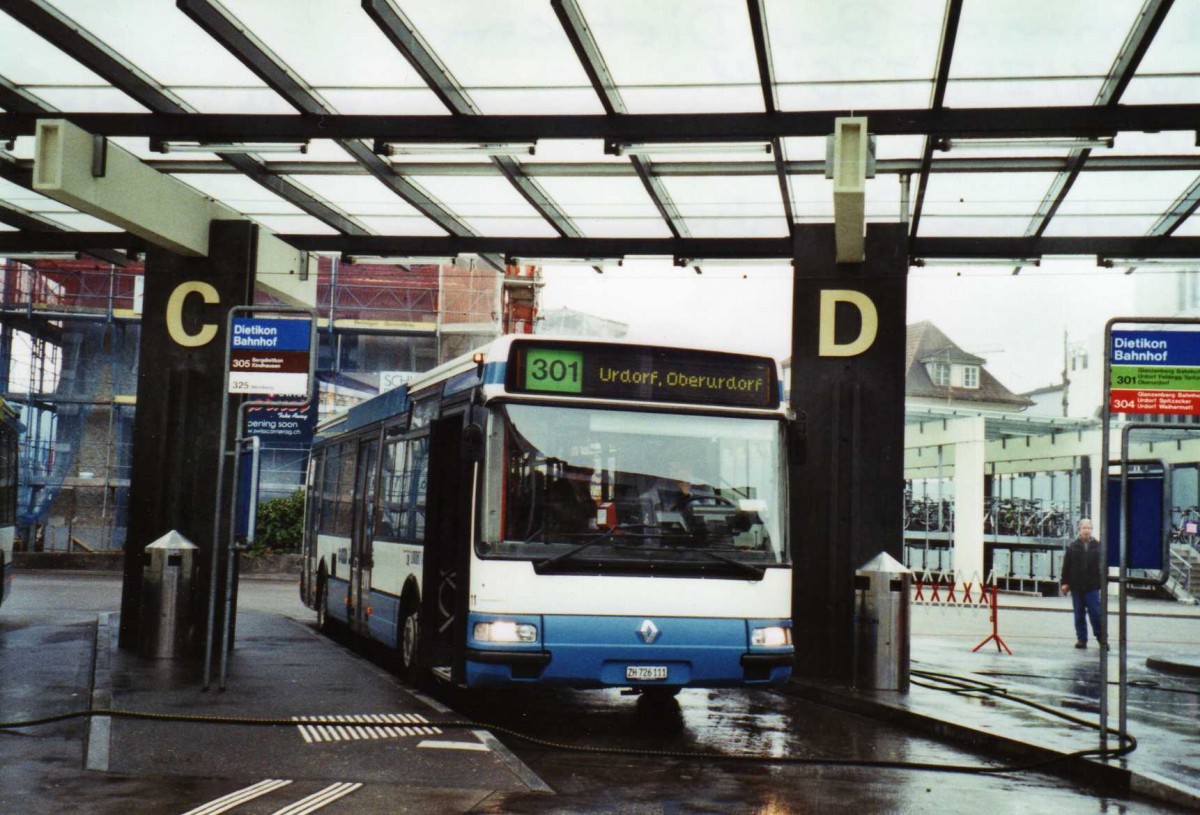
1016 323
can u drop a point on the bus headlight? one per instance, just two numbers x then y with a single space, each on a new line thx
505 631
774 636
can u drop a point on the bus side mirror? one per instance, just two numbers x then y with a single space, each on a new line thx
797 441
472 445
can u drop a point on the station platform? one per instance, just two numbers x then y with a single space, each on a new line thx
1163 703
382 740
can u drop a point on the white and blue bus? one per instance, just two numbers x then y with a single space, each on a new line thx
9 467
569 512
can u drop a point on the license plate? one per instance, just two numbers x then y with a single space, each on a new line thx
645 672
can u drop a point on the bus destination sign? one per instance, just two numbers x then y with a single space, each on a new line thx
269 356
643 374
1155 372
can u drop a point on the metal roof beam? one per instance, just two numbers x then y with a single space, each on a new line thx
937 100
24 219
1180 211
1136 43
18 100
766 249
235 38
73 40
412 46
750 248
766 78
1032 164
1008 122
575 26
69 37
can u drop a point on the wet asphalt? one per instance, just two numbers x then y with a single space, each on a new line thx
47 639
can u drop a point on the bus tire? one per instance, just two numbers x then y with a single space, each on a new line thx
324 625
407 663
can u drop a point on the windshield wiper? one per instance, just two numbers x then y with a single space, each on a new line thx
749 568
542 566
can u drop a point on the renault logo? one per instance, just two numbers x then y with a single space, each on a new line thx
648 631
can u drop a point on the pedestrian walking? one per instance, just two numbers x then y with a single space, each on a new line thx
1083 577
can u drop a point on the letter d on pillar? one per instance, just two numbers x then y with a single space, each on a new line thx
828 346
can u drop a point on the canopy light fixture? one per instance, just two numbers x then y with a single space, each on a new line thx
382 260
922 262
700 148
390 148
1156 264
682 261
34 257
1023 144
159 146
524 261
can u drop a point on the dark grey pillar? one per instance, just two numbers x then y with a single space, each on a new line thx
847 497
176 432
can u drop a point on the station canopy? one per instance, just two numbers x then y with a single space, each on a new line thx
592 129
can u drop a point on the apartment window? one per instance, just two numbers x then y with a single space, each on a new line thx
939 372
971 376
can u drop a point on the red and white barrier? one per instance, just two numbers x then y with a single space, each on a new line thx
946 590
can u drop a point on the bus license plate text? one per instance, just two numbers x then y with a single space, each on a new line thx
644 672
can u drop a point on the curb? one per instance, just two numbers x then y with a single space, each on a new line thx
1179 666
1104 777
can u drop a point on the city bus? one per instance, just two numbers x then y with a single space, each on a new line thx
9 466
562 512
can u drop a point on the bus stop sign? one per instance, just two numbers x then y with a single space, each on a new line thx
269 356
1155 372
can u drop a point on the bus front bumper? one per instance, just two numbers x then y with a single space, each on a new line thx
604 652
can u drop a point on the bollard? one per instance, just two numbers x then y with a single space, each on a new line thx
166 624
881 624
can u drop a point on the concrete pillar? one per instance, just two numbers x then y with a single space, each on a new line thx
970 458
848 338
180 391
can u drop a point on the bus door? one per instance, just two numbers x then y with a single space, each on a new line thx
362 533
447 550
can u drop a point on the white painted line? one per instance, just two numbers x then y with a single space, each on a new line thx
318 800
238 797
455 745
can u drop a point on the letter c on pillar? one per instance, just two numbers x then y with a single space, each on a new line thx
828 346
175 314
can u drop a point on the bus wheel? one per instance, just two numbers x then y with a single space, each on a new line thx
323 624
408 642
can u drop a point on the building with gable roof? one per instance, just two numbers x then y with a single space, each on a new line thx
940 373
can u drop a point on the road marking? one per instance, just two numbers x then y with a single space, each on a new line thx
238 797
455 745
364 727
319 799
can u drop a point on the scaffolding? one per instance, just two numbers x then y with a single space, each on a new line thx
69 339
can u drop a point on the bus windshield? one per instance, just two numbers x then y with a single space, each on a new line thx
589 488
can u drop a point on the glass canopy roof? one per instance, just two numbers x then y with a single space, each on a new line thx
487 59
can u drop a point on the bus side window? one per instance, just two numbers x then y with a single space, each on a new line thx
329 478
312 513
416 483
345 490
391 508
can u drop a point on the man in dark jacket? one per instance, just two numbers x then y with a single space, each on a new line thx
1083 577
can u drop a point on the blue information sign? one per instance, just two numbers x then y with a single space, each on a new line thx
1180 348
253 334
